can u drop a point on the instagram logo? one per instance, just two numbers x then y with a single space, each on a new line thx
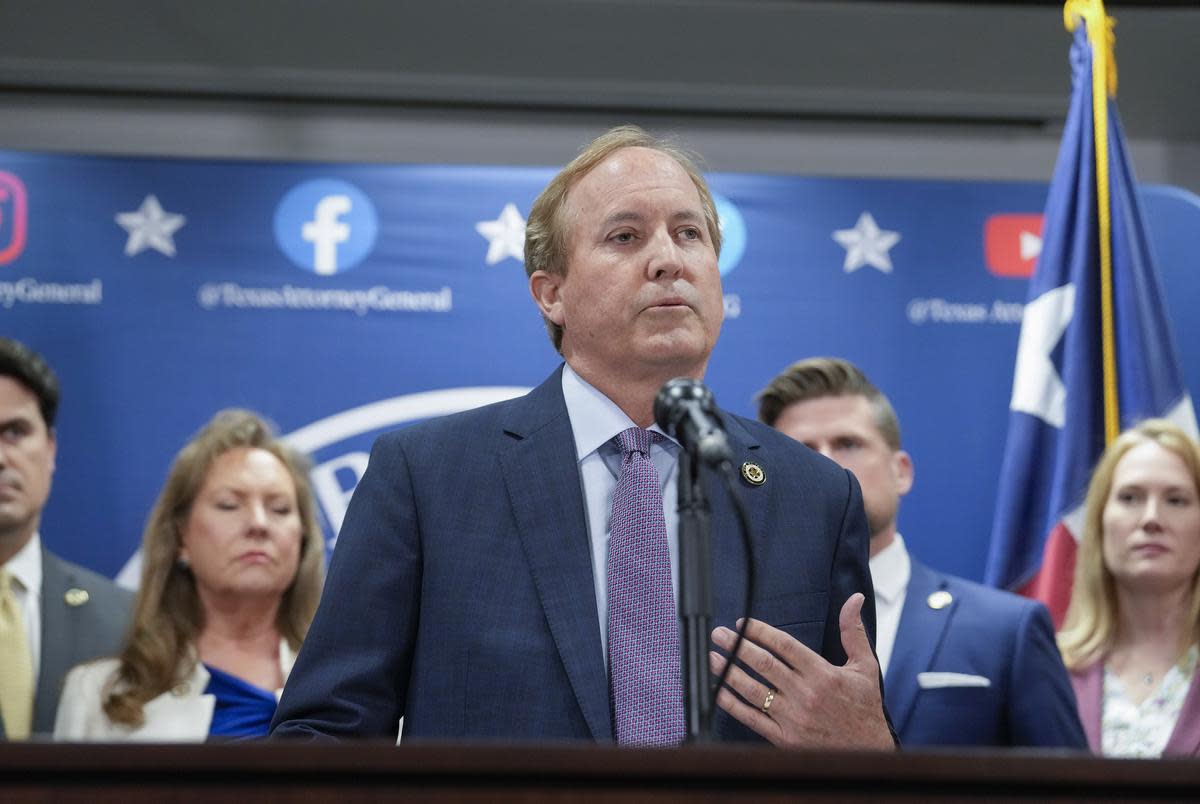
13 211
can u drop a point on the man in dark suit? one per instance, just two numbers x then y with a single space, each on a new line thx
963 664
53 614
473 590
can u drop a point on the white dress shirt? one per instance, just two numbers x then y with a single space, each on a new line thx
890 571
595 422
26 570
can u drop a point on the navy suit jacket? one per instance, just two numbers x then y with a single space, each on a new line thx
460 595
989 634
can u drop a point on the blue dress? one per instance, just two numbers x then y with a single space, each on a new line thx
241 710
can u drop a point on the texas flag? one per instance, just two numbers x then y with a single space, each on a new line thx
1095 353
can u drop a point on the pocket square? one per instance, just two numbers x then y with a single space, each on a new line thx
933 681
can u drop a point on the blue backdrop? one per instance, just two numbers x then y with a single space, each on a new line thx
344 300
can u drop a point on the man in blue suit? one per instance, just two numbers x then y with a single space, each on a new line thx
472 591
963 664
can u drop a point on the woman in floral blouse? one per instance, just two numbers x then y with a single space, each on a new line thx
1131 632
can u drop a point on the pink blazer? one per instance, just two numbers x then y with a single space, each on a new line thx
1089 696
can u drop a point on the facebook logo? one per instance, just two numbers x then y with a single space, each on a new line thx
13 212
326 226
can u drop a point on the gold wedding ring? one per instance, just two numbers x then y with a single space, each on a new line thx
766 705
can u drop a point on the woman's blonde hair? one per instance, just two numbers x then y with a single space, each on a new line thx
1091 622
168 616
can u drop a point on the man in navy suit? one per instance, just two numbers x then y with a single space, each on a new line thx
963 664
469 591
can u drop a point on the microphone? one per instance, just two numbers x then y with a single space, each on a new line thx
685 410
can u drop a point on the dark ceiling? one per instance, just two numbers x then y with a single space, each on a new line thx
999 64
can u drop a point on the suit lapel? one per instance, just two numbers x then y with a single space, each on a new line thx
728 552
917 641
1088 684
58 637
1185 738
541 473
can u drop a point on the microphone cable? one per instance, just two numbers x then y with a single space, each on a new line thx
726 474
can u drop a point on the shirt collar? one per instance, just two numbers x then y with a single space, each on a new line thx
26 566
595 419
890 570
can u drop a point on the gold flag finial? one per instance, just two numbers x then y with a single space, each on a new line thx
1100 35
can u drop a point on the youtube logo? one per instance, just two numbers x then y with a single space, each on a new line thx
1012 244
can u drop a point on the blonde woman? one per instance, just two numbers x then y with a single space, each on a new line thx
231 576
1132 629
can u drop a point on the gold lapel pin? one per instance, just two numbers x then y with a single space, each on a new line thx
940 600
76 597
753 474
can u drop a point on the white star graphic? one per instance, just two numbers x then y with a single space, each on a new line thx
1037 388
866 244
150 227
505 235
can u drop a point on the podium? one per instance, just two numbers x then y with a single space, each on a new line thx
369 772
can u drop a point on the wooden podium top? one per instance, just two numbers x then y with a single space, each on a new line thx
345 773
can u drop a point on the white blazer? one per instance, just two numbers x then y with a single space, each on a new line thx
183 714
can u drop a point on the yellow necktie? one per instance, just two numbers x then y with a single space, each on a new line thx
16 667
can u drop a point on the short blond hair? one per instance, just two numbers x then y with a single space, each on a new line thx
821 377
1091 623
547 228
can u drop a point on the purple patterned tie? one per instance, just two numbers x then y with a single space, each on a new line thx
643 630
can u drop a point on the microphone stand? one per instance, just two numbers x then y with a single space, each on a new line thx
695 596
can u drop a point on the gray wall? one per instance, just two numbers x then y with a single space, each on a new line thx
959 90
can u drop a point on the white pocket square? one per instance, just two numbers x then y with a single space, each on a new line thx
933 681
